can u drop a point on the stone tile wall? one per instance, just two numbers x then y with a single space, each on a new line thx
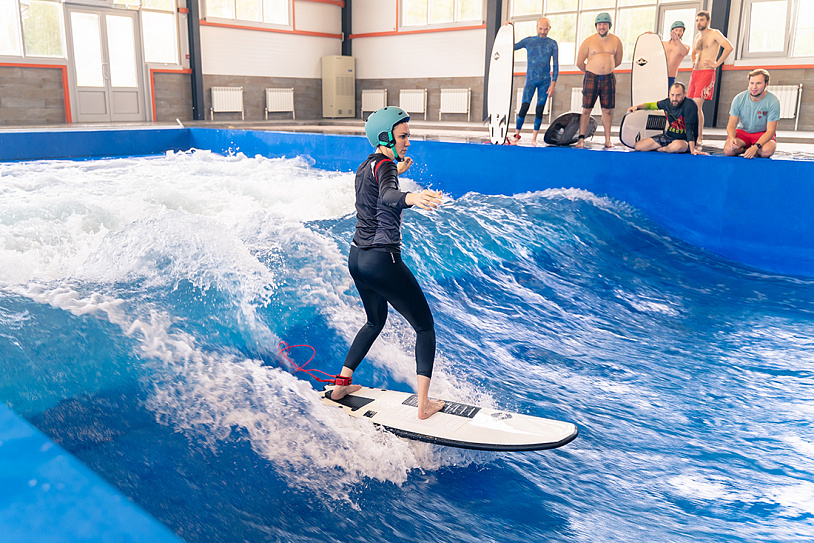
173 96
307 96
31 96
433 86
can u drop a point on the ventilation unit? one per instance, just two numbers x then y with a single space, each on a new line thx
338 87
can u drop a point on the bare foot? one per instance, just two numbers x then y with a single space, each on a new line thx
429 409
608 145
699 143
534 143
580 144
340 392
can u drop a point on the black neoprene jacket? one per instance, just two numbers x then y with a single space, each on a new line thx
379 205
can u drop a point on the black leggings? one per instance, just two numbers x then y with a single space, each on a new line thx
383 278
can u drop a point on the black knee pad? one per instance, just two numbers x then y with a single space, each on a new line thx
539 112
524 108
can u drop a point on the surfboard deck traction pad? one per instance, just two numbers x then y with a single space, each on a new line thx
452 408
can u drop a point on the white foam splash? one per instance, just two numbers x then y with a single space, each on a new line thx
76 230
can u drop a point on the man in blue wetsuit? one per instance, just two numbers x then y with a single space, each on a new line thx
542 59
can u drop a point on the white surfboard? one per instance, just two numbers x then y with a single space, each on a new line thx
501 71
457 424
648 78
641 124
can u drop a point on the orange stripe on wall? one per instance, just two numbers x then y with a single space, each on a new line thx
777 67
339 3
65 90
277 30
424 31
152 83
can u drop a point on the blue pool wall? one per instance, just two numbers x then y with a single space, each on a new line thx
47 495
757 212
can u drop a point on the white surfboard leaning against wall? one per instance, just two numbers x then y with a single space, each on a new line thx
648 83
501 72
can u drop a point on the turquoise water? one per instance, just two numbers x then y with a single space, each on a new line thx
142 300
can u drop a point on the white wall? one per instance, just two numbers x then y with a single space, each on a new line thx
234 51
437 54
237 51
373 16
249 52
316 17
454 53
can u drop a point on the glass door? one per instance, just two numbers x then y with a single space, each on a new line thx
107 65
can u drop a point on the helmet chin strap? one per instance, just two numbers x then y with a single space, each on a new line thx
392 146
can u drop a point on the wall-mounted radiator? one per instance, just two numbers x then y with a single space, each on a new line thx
413 101
373 100
455 101
790 97
226 100
280 100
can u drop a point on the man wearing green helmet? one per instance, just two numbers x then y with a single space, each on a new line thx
374 261
676 50
599 54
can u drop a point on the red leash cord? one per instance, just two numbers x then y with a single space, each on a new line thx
283 353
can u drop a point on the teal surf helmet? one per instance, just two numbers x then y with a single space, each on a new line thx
603 18
678 24
379 126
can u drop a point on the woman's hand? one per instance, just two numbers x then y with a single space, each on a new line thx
404 166
426 199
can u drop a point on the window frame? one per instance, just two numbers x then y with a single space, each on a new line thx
21 34
248 23
433 26
790 29
176 22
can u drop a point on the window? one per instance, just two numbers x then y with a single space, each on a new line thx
804 31
10 42
159 30
777 29
275 12
633 22
440 12
32 28
770 35
573 20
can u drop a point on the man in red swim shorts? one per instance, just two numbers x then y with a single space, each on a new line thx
705 59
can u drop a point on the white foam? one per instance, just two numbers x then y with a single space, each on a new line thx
71 233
